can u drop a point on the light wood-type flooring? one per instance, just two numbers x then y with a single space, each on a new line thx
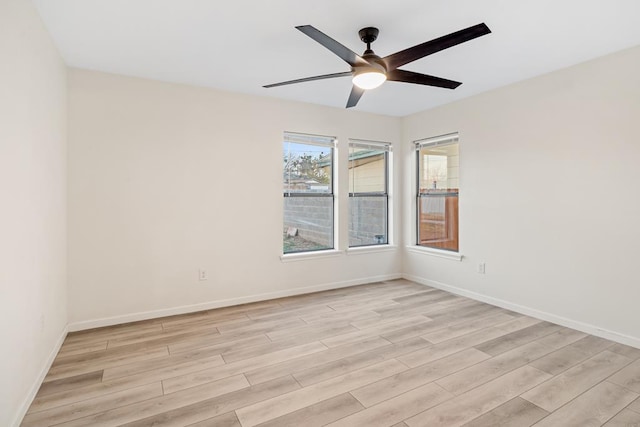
387 354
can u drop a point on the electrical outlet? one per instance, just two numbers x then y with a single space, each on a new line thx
202 274
481 267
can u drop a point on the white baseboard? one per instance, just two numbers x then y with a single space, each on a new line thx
538 314
38 381
145 315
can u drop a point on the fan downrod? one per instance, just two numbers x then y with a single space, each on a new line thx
368 35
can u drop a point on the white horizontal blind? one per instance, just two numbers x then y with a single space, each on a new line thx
370 145
450 138
302 138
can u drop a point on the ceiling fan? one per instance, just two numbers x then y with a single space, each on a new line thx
370 71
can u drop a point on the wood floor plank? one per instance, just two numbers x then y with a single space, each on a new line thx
347 316
398 408
319 414
209 319
515 413
595 407
446 348
298 364
98 357
487 370
417 311
565 387
635 406
470 405
110 332
81 348
95 390
465 328
569 356
68 370
416 307
410 379
319 334
327 330
244 309
439 322
517 338
278 406
492 368
628 377
383 320
351 363
68 383
414 330
625 350
211 357
261 326
518 324
222 345
386 328
463 309
162 337
236 355
417 296
207 316
592 345
181 382
375 303
92 406
297 313
137 411
225 420
624 418
209 409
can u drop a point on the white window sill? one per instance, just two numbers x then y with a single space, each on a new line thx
454 256
360 250
304 256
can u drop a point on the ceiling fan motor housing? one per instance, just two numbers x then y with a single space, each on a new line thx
369 35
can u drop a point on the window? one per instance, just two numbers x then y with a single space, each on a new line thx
308 192
368 193
437 199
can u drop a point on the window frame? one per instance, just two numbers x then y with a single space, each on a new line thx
441 140
330 142
386 148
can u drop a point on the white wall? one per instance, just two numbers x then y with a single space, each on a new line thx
33 300
166 179
549 195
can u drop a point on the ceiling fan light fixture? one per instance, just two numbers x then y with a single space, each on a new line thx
369 79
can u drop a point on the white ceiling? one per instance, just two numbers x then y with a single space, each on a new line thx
240 45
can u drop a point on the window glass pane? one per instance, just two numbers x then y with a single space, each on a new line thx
307 168
368 202
437 205
308 193
438 220
367 170
367 220
308 223
438 167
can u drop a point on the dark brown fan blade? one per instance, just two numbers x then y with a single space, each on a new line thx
310 79
346 54
421 79
354 96
411 54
